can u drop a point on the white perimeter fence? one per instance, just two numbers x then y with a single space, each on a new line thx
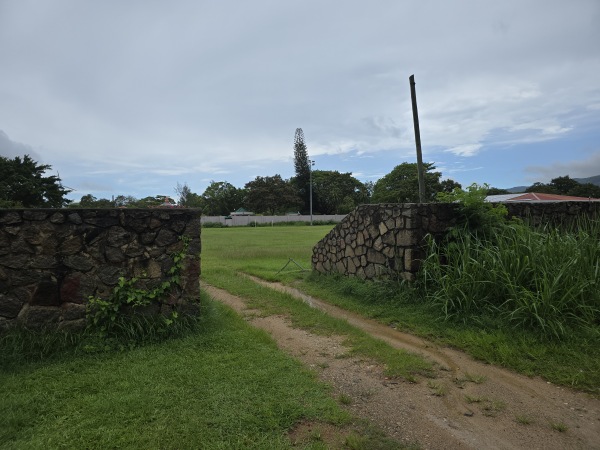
240 221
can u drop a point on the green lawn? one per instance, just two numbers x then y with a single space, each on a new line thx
573 360
225 386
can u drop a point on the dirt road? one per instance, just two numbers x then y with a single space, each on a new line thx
469 405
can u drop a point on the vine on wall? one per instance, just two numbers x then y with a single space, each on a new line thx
119 312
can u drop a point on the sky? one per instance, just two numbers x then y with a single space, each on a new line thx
133 97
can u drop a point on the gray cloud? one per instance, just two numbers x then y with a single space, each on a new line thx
581 168
206 87
11 149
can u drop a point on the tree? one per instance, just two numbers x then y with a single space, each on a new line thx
183 192
401 185
23 184
302 166
564 185
271 195
193 200
449 185
337 193
187 198
124 201
586 190
148 202
497 191
220 198
89 201
541 188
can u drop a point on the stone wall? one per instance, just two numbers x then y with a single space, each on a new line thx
381 240
52 260
387 240
554 213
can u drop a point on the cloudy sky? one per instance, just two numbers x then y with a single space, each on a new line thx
132 97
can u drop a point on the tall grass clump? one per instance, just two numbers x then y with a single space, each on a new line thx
545 279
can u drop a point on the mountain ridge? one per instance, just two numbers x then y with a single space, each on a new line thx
593 180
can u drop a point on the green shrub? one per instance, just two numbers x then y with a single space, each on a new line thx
213 225
476 214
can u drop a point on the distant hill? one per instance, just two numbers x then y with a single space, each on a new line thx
517 189
594 180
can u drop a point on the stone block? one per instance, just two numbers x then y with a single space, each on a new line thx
72 311
10 306
10 218
118 236
369 271
165 237
378 244
43 262
74 218
34 215
383 228
406 238
389 239
58 217
14 261
375 257
80 263
148 237
71 245
39 316
351 266
114 255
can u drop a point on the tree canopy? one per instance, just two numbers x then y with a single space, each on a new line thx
271 195
220 198
566 186
337 193
401 185
23 184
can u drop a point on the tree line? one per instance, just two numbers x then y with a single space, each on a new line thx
23 184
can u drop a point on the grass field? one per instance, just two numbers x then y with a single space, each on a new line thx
264 252
573 360
224 386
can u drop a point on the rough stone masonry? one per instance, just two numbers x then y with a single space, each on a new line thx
52 260
387 240
382 240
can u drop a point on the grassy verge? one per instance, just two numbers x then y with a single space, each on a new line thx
224 386
572 360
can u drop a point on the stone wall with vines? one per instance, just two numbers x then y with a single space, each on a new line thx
52 261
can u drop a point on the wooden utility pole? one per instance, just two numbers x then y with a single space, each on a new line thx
413 96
